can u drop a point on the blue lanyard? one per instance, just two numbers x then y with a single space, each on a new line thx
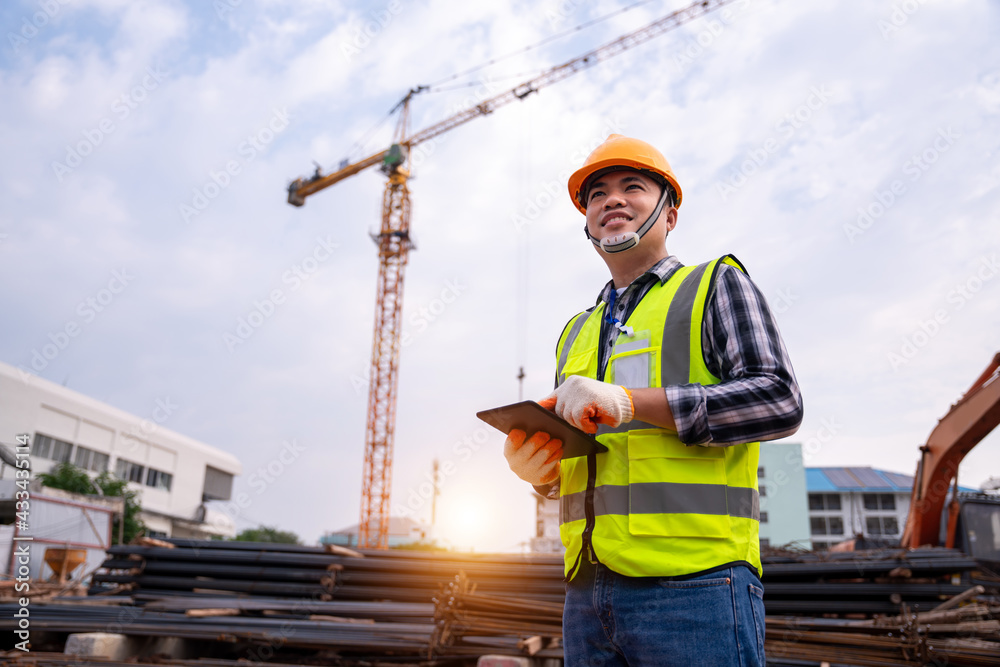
610 318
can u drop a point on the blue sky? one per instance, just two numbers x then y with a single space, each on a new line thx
845 152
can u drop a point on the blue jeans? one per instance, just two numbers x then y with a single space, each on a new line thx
714 620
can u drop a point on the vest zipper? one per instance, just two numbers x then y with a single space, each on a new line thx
588 508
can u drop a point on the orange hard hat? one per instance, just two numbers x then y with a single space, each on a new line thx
620 151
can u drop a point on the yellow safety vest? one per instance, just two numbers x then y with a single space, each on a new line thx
657 507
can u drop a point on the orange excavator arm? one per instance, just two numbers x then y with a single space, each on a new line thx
967 422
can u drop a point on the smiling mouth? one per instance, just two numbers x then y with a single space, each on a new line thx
617 218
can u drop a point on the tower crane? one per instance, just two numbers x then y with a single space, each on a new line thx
393 241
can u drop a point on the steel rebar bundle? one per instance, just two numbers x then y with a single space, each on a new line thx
889 607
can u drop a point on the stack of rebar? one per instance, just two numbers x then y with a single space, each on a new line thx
467 620
293 571
863 582
820 607
867 608
969 636
378 603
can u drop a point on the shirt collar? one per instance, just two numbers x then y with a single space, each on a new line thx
661 271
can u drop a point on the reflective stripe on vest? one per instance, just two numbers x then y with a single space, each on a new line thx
664 498
574 331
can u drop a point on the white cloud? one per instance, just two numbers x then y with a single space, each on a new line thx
852 304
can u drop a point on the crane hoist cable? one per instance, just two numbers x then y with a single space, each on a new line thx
547 40
438 88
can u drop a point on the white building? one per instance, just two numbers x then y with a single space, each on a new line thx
174 475
847 502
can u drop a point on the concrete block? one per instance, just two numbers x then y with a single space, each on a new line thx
99 645
124 647
503 661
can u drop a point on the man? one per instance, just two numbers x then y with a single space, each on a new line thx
680 371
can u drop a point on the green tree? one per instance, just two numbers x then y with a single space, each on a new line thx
68 477
267 534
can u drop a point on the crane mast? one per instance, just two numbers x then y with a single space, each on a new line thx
394 244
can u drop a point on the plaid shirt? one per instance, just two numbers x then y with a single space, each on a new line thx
758 397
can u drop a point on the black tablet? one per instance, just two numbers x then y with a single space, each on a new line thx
530 417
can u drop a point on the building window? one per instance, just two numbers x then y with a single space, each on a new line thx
821 525
129 471
762 490
880 501
824 501
763 517
88 459
159 479
882 525
764 543
218 484
760 471
50 448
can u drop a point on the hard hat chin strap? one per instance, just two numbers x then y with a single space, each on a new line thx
628 240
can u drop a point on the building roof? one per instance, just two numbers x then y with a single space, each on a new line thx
399 526
218 458
861 478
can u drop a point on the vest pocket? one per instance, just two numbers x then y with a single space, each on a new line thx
675 490
633 364
578 364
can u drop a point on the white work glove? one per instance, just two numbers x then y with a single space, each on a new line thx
536 460
585 403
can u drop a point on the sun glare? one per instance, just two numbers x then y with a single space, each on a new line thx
464 525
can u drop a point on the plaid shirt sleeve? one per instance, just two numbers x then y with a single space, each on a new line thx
758 397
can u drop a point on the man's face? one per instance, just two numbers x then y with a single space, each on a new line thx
619 202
